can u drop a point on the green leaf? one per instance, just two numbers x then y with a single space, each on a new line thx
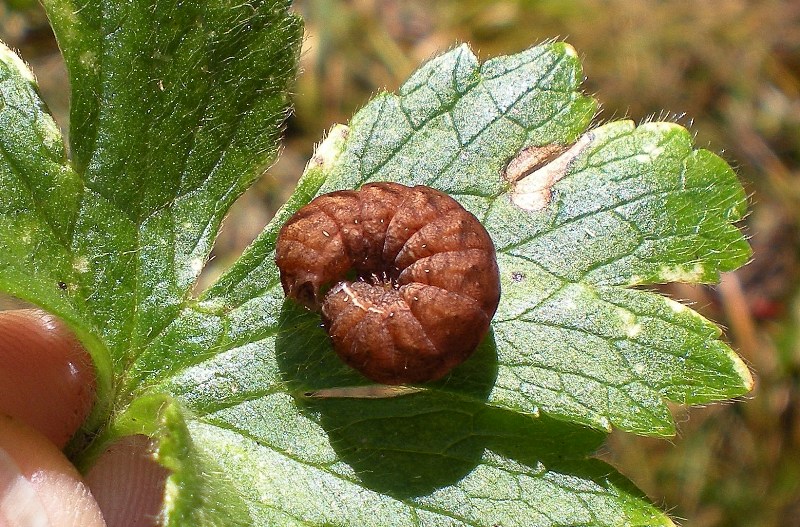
176 108
631 206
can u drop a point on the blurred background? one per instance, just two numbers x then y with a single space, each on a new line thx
728 69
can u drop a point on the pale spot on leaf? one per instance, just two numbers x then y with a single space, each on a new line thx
535 170
81 264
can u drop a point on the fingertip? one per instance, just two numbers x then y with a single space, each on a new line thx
47 377
38 485
48 388
128 483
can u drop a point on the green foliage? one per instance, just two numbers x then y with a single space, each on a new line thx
176 108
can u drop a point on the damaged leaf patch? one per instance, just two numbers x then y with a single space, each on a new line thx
536 169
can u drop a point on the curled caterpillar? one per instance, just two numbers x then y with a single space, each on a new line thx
406 278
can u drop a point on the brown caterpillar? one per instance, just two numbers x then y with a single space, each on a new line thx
412 277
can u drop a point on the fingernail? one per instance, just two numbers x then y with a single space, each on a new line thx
19 504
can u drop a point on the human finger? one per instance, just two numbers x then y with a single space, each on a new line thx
47 378
38 485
